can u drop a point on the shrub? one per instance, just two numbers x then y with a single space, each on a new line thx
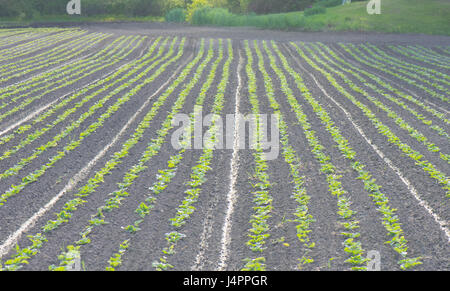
176 15
223 17
196 5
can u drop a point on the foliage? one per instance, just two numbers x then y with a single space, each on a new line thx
222 17
176 15
430 18
195 5
32 8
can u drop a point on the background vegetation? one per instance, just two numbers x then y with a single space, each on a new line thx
402 16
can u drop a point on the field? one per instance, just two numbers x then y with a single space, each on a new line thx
89 176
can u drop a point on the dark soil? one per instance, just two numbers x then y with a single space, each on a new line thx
200 249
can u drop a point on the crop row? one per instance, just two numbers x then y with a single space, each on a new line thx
389 219
32 137
259 232
54 56
410 54
431 147
102 64
153 148
436 61
22 255
432 53
403 95
38 44
432 74
68 81
419 160
10 36
61 74
384 68
63 116
398 93
411 71
352 245
303 218
202 167
32 177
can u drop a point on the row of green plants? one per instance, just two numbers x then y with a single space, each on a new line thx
444 49
260 180
137 84
39 132
33 43
435 75
54 56
39 56
134 172
419 160
399 93
431 147
37 93
75 48
39 86
11 38
387 69
13 32
52 75
349 68
410 54
163 177
348 221
389 218
411 71
22 255
428 51
111 80
102 59
430 58
302 216
199 172
38 44
432 53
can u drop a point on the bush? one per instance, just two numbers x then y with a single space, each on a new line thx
176 15
209 16
315 10
197 5
223 17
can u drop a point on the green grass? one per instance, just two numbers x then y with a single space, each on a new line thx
397 16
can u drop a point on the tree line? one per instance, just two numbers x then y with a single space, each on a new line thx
30 8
